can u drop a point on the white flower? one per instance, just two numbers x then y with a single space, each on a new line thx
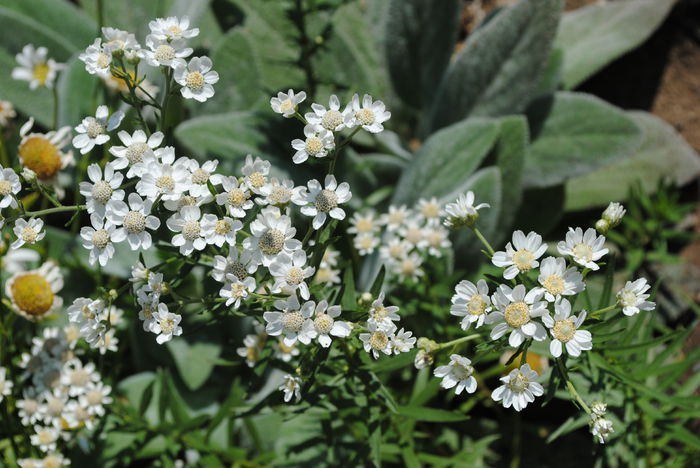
633 297
291 388
598 408
236 197
290 273
255 174
97 239
402 341
564 328
172 28
272 234
185 199
586 249
95 397
165 53
520 256
44 438
436 239
325 324
458 373
167 178
7 112
196 79
378 339
28 410
102 193
471 302
330 119
132 222
409 267
395 218
5 385
97 59
322 202
93 130
219 231
284 352
251 349
42 155
149 304
412 232
137 152
55 460
557 280
119 40
27 232
366 243
613 213
326 275
519 388
381 316
237 264
156 285
166 324
278 193
516 309
363 223
52 409
430 209
293 321
602 428
394 250
35 67
84 311
235 290
462 211
30 463
10 186
370 115
318 143
286 104
189 228
15 261
201 176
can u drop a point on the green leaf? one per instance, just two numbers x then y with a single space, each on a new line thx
500 65
73 84
663 154
512 144
196 359
348 300
118 442
595 35
153 447
129 15
421 413
579 134
378 282
419 38
446 160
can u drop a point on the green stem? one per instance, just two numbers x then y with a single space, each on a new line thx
570 386
464 339
4 158
58 209
100 17
484 241
598 312
54 91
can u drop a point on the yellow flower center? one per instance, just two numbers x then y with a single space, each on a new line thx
32 294
395 250
134 152
41 73
222 227
237 269
365 116
94 129
45 437
101 192
41 156
414 235
476 305
134 222
280 195
295 276
564 330
523 260
366 242
326 200
29 235
5 188
364 226
191 230
103 60
324 324
518 383
271 242
378 340
164 53
583 252
174 30
554 284
313 146
462 372
165 183
195 81
431 210
293 321
100 238
54 406
200 177
517 314
94 397
287 105
257 179
628 298
237 197
167 325
331 119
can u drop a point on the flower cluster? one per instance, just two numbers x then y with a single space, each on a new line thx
383 336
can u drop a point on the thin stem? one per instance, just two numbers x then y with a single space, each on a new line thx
464 339
483 240
100 17
570 386
58 209
4 158
54 91
598 312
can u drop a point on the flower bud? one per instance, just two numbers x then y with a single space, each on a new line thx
132 57
28 175
423 359
602 226
598 409
613 214
365 299
118 53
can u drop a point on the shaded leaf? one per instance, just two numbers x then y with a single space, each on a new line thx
421 413
195 360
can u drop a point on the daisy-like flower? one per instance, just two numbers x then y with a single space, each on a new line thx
290 273
585 248
30 463
52 408
149 304
436 239
166 53
519 388
7 112
36 67
201 176
167 178
395 250
364 223
45 438
285 353
255 174
5 385
395 218
119 40
564 328
172 28
15 261
408 268
103 190
326 275
412 232
325 324
28 410
286 103
293 321
55 460
272 234
365 243
94 130
219 231
189 228
458 373
132 220
235 196
94 398
43 155
237 264
156 285
633 297
318 143
10 186
516 309
196 79
235 290
187 200
97 59
291 388
252 347
430 209
402 341
521 255
383 316
370 115
462 212
471 302
331 119
166 324
27 232
322 202
98 239
602 428
378 339
137 150
557 280
84 310
279 194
